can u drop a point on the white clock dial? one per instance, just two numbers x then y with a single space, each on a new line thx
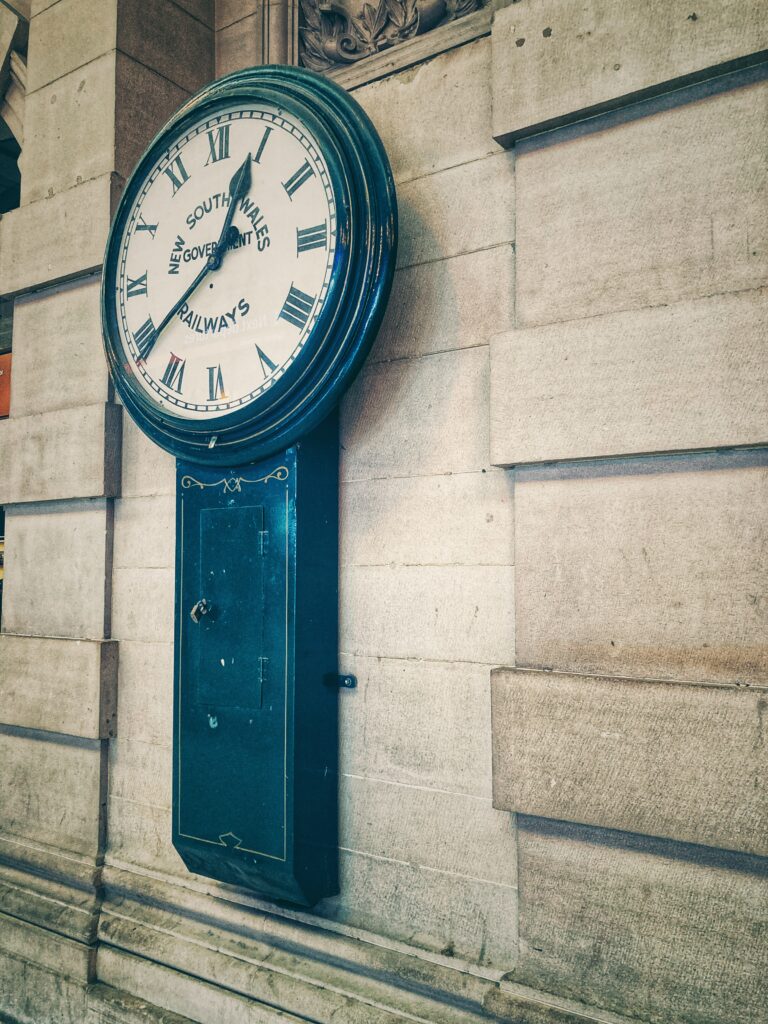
246 320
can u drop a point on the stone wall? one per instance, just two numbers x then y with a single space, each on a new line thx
550 462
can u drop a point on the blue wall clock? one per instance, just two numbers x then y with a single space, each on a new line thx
246 274
248 265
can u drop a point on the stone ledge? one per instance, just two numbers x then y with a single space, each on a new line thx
692 375
40 946
560 61
59 685
67 453
611 752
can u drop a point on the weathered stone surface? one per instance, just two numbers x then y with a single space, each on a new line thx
556 62
230 11
449 213
651 568
59 906
142 604
442 613
57 685
649 212
147 469
437 115
31 994
63 148
53 328
134 545
442 830
55 571
388 429
690 375
615 753
51 791
138 766
140 834
74 224
167 39
430 909
66 35
107 1005
470 517
145 691
673 935
390 732
44 947
443 305
239 45
66 453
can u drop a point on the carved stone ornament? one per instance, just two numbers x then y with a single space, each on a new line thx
338 32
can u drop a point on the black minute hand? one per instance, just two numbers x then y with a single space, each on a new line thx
238 187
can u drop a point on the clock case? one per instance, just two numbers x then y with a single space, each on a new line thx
361 276
255 766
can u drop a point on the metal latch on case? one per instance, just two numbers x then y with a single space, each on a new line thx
198 609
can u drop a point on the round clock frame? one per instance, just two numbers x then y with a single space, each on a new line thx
360 282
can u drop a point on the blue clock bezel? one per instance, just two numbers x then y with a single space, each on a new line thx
360 284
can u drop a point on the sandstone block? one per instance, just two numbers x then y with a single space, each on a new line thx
436 115
230 11
59 906
653 211
142 604
57 685
389 428
459 210
30 991
68 34
137 766
431 909
657 931
44 947
447 304
146 468
459 519
140 834
169 40
239 45
51 328
554 63
390 732
650 568
145 532
690 375
66 453
55 571
441 613
51 791
441 830
74 224
145 691
615 753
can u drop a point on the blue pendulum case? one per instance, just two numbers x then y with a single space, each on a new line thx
256 684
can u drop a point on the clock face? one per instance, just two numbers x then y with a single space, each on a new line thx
248 265
225 260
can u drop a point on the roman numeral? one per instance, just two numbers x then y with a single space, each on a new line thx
177 174
311 238
297 307
137 287
297 179
145 338
267 366
143 226
218 142
215 383
262 144
173 378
